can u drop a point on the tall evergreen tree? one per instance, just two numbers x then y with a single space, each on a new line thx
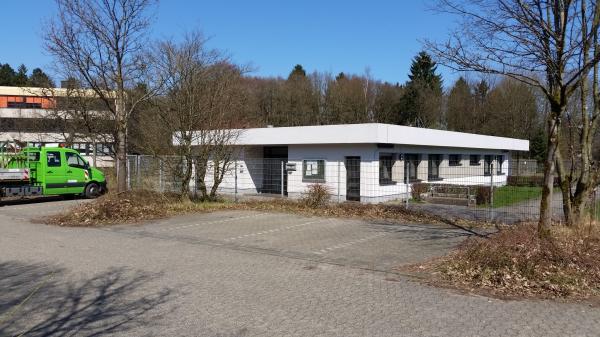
298 71
7 75
423 70
21 76
459 114
421 104
40 79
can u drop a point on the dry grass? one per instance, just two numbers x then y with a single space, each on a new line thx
345 210
515 262
139 205
129 207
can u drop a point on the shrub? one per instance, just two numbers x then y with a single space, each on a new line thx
417 190
516 261
317 196
528 181
482 195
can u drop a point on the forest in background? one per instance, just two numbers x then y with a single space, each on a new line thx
490 106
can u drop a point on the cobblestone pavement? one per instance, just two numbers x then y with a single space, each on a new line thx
247 274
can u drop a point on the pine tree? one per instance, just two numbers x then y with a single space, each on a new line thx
459 113
421 104
7 75
538 146
40 79
423 71
21 76
298 71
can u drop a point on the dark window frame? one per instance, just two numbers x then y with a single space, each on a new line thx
411 163
488 162
457 161
499 162
431 160
386 164
473 162
23 105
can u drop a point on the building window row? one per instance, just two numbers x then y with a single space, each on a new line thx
434 161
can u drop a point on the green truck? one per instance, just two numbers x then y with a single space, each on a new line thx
35 171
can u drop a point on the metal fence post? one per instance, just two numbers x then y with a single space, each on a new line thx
137 171
282 182
160 175
491 191
195 171
128 167
235 187
406 174
339 177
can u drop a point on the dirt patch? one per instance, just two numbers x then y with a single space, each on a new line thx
516 263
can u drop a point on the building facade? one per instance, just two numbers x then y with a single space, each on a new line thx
364 162
31 117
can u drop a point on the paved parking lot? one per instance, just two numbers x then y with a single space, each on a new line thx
353 243
246 274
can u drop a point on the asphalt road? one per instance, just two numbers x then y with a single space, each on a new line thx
246 274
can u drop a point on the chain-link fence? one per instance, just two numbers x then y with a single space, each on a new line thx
483 188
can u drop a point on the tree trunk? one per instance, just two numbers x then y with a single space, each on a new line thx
545 220
121 145
200 176
184 193
579 208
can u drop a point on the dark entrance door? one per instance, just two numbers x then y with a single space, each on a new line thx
353 178
274 156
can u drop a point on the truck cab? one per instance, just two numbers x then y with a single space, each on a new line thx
50 171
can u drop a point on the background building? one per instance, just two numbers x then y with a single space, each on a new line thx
39 116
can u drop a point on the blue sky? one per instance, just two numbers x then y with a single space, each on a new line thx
272 36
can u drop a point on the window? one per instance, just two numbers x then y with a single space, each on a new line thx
74 160
313 170
82 148
433 167
411 164
487 169
474 160
499 162
53 159
454 160
102 149
386 162
23 105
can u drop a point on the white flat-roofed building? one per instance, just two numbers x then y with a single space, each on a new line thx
365 162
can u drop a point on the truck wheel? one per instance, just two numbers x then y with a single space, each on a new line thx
92 190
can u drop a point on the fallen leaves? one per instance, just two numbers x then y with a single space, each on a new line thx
515 262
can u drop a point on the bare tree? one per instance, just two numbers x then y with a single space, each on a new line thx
103 43
538 42
201 104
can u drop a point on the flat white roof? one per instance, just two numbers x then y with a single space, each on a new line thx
373 133
45 92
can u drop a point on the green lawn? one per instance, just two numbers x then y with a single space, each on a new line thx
509 195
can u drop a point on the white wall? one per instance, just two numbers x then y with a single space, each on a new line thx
250 170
